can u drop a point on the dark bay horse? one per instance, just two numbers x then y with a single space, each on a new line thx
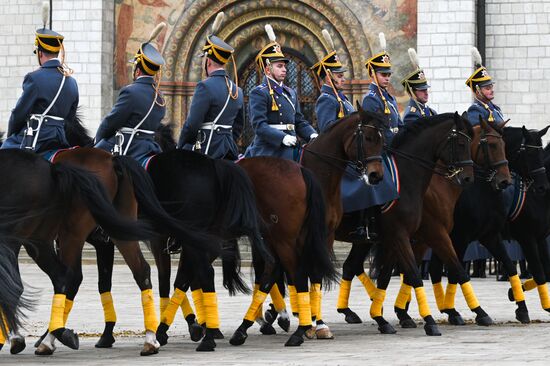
293 205
480 214
435 145
48 202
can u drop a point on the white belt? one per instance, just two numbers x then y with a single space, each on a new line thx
211 125
130 130
287 127
37 116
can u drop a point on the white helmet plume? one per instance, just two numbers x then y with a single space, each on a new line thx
382 39
45 12
270 33
218 22
156 31
414 58
328 38
476 58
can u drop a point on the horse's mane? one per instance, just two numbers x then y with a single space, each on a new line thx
165 138
76 133
414 128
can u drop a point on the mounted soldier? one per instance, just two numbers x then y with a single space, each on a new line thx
216 116
275 111
130 127
417 87
50 97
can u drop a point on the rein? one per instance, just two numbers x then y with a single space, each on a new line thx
526 182
489 169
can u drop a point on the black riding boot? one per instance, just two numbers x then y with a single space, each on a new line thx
362 231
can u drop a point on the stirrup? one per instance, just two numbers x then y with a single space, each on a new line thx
172 246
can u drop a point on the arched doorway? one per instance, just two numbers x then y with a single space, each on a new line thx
299 77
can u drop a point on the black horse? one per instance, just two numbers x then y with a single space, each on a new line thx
480 214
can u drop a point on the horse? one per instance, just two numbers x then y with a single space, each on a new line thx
215 195
46 202
293 203
480 214
487 149
128 186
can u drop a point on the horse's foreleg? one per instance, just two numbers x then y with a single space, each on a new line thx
162 260
382 282
533 257
436 275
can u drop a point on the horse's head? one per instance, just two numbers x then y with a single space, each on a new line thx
363 143
526 155
455 151
488 151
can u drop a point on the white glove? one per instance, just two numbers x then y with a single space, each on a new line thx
313 136
289 140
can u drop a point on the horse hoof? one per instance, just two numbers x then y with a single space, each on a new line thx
456 320
294 341
270 314
484 320
324 333
1 346
511 295
43 350
284 323
105 341
267 329
217 333
149 349
67 336
407 323
196 332
431 330
547 310
17 344
207 345
387 329
162 336
238 338
310 333
39 341
522 316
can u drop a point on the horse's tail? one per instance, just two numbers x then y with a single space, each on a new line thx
316 256
231 265
144 191
72 182
12 300
241 214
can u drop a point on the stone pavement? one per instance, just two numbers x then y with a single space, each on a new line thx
508 342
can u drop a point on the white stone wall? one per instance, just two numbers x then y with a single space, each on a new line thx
518 57
446 33
88 29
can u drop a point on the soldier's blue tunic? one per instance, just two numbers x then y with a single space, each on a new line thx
412 113
477 110
373 102
327 108
133 103
39 89
208 101
268 141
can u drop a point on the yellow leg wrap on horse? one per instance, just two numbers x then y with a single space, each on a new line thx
277 299
164 301
109 312
343 295
519 295
257 300
58 308
185 306
439 293
315 299
170 310
292 295
450 294
304 308
403 296
210 303
423 307
3 336
469 295
150 319
199 307
367 284
529 285
377 303
68 307
543 295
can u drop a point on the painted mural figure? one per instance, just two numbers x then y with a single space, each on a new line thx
275 111
50 97
216 116
416 85
129 128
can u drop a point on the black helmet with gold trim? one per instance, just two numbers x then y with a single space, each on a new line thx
271 52
329 63
215 48
148 58
46 39
416 80
380 62
480 77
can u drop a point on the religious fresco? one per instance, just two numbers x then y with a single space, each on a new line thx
354 25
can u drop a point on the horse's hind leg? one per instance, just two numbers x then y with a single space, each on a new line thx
533 257
382 282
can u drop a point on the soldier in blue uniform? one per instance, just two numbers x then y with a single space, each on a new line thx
216 116
274 108
481 84
130 126
417 87
50 97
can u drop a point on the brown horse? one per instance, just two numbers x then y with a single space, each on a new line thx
291 202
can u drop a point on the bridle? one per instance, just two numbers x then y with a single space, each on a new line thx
489 167
528 179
